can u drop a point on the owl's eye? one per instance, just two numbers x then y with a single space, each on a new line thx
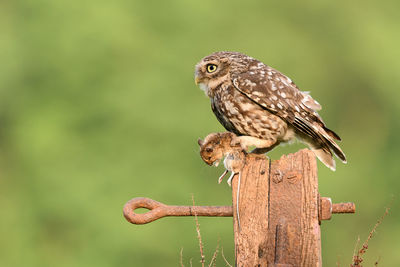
211 68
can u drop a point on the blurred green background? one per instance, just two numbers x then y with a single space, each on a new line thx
98 105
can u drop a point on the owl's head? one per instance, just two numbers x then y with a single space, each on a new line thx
216 68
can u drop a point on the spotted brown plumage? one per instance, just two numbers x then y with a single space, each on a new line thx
263 106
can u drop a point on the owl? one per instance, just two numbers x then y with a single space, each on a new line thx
263 107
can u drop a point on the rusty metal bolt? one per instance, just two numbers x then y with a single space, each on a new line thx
345 207
326 208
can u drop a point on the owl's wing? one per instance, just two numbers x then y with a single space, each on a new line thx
277 93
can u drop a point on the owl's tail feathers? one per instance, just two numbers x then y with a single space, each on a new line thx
325 146
325 156
322 143
332 134
327 135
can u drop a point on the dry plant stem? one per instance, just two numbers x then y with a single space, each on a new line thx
376 226
356 247
214 257
199 237
357 259
182 258
223 256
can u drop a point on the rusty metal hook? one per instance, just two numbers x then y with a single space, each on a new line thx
159 210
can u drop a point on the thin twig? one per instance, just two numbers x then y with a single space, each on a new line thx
191 262
377 261
356 247
214 257
181 260
199 236
357 259
223 256
375 226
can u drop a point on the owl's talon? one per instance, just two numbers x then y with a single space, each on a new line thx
235 142
222 176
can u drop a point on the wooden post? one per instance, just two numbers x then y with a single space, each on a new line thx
278 211
277 218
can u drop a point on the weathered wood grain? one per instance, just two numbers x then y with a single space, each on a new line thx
278 210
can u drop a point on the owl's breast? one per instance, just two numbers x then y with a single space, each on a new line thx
222 116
